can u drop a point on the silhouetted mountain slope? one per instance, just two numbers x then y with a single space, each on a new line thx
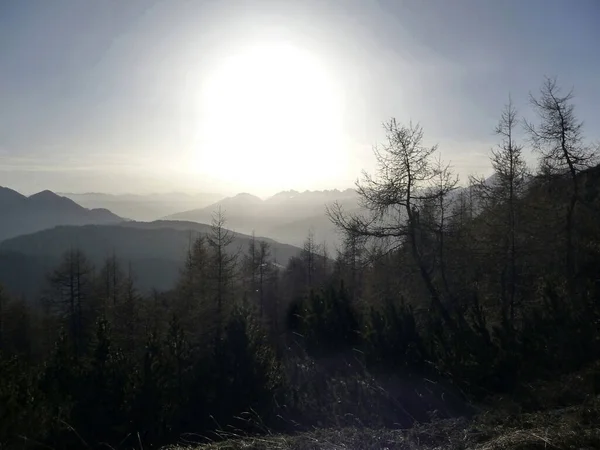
23 215
10 198
237 208
280 252
156 251
296 232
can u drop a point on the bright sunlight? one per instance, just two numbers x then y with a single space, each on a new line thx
271 116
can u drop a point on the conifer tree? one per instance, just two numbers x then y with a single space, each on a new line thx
558 138
70 294
222 267
394 197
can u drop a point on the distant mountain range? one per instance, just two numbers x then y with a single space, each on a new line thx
155 250
23 215
286 217
146 207
35 231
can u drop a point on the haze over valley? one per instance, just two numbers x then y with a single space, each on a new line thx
286 216
144 206
38 229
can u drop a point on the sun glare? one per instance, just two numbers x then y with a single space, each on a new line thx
271 116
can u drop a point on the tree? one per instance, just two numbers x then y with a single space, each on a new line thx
178 353
148 404
193 280
193 303
16 331
436 211
223 267
100 408
310 251
461 240
248 372
503 195
326 320
264 270
111 279
324 259
250 268
3 304
71 285
119 303
129 316
350 262
405 181
559 140
257 273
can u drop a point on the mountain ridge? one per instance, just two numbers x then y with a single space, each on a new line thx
45 209
145 207
280 216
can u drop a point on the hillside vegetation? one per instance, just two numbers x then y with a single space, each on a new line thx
153 251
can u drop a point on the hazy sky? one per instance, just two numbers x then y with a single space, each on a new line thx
261 96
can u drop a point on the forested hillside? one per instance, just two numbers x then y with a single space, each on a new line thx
441 304
153 251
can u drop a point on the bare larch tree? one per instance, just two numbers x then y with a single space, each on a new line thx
558 137
503 193
406 180
222 267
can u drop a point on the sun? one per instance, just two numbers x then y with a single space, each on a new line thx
271 117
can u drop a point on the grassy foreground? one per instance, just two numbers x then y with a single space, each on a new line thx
560 414
570 428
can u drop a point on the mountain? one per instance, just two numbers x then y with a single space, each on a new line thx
23 215
10 198
237 209
286 216
296 232
146 207
155 250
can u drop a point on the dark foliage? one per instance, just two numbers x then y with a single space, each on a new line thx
325 320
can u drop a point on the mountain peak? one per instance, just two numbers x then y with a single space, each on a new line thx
243 196
48 198
4 191
45 194
10 198
286 193
44 210
246 195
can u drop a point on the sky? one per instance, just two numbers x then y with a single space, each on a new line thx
262 96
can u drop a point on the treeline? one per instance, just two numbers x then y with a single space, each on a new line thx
96 361
492 284
485 287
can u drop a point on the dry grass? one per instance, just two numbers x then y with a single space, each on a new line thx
576 427
559 414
